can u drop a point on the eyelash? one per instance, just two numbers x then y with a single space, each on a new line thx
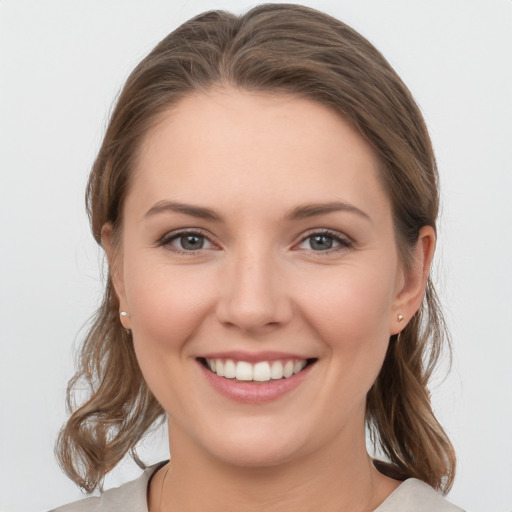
342 241
166 240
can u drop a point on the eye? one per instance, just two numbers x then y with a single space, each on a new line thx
324 241
186 241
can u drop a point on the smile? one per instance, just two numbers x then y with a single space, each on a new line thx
262 371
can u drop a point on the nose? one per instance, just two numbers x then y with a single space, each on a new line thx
253 296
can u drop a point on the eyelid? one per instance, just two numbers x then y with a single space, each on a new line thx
345 242
165 240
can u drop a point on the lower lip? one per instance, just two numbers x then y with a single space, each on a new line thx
254 392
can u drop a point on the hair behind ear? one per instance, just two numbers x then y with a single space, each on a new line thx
119 409
399 413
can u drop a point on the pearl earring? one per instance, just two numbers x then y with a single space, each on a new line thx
123 315
400 317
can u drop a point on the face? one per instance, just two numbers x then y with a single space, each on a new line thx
259 266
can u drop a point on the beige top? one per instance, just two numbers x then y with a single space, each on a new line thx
410 496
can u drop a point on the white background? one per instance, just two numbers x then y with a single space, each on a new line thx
61 65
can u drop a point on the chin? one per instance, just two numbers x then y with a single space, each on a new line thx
258 445
253 455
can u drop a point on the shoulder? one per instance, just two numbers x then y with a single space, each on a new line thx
129 497
415 495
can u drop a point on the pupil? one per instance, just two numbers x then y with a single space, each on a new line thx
192 242
321 242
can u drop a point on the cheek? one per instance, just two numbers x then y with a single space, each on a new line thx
167 307
166 303
350 314
351 307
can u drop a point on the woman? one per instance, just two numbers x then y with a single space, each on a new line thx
266 195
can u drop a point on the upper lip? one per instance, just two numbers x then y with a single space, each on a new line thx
254 357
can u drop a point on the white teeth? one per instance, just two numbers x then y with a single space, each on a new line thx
243 371
229 369
263 371
276 372
299 366
288 369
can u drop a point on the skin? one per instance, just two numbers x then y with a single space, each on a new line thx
259 284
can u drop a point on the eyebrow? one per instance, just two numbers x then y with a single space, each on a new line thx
187 209
298 213
312 210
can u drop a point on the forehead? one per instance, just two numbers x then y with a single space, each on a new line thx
226 144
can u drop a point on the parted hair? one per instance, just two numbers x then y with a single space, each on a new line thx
279 48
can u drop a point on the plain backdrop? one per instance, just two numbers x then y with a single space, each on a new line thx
61 66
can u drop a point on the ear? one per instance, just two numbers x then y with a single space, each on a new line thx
115 267
412 287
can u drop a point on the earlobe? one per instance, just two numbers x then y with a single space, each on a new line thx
410 296
114 262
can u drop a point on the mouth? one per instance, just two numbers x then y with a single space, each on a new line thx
259 372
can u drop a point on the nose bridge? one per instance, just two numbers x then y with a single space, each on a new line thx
254 295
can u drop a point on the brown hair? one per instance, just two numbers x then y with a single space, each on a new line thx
280 48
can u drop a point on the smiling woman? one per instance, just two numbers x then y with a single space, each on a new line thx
266 196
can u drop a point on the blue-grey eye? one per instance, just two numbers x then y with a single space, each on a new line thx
186 242
321 242
190 242
324 241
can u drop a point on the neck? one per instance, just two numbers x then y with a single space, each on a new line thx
330 479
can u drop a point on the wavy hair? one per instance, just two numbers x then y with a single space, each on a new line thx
274 48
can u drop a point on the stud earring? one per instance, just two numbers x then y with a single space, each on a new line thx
124 316
400 317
